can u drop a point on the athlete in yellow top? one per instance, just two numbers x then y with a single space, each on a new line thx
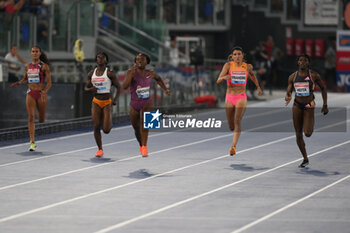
235 73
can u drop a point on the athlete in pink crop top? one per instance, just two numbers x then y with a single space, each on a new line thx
303 82
139 80
236 73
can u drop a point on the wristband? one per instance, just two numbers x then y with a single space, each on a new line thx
325 105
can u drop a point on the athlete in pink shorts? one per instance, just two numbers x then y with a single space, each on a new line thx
235 73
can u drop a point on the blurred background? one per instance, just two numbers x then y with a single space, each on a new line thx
188 41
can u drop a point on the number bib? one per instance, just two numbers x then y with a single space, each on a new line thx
142 92
33 75
238 77
100 87
302 89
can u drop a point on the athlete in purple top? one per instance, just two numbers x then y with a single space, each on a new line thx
139 80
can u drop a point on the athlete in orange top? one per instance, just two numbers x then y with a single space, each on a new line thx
236 73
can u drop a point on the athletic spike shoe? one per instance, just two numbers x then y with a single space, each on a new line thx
144 151
32 146
99 153
304 163
140 149
233 150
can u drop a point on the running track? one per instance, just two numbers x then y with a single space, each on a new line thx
187 184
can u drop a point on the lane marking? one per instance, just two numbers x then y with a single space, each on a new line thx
127 140
125 159
128 126
61 138
129 158
105 164
289 206
176 204
5 219
119 128
78 150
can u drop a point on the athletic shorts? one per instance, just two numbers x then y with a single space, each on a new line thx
233 98
36 94
304 106
102 103
139 104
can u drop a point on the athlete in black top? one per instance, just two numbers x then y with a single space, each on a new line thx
303 82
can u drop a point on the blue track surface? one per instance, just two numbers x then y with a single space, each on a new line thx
187 184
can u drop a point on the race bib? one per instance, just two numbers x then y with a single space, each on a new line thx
238 77
100 87
142 92
99 84
302 89
33 76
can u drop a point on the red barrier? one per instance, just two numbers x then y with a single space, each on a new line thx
299 47
290 47
319 48
309 47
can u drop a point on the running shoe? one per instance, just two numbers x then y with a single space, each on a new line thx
304 163
32 146
99 153
144 151
233 150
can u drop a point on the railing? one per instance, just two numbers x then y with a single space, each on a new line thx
185 83
135 40
52 32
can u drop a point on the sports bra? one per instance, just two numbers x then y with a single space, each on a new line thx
239 74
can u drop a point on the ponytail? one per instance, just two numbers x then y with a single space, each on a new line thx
43 56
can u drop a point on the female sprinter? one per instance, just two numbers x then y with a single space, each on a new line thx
235 73
99 82
139 79
303 82
36 73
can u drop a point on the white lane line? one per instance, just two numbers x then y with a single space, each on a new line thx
119 128
132 157
79 150
128 126
128 140
132 220
289 206
333 125
131 183
105 164
126 159
61 138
